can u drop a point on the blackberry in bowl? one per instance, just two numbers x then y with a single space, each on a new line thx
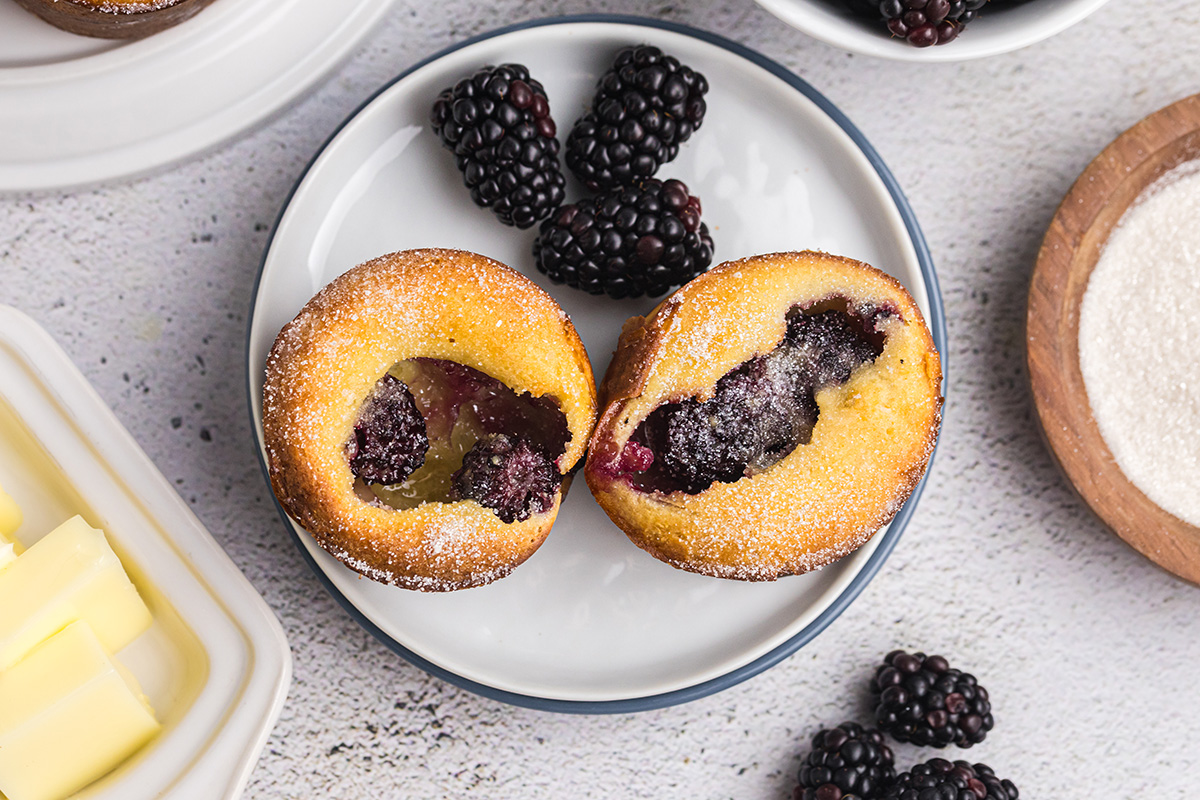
998 26
846 761
627 242
767 418
646 105
497 123
921 23
923 700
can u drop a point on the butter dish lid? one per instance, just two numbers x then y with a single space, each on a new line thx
215 663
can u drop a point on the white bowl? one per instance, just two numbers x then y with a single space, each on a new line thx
997 30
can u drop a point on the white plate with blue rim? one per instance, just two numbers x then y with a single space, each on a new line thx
590 623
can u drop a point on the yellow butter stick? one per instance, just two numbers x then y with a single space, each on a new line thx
70 574
69 714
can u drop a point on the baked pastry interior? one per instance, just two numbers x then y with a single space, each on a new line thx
761 410
437 431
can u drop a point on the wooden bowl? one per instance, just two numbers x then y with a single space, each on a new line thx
1069 252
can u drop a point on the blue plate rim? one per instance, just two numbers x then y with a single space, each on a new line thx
937 323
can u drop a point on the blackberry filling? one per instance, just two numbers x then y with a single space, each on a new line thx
390 441
508 476
761 410
458 410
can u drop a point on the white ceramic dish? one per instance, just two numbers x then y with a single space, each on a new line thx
76 110
591 623
998 30
215 663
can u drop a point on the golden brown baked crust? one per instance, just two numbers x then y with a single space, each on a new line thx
114 19
869 448
442 304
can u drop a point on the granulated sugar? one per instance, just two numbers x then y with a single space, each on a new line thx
1139 342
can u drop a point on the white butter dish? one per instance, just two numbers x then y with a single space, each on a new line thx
214 664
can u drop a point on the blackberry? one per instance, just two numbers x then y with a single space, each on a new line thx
627 242
921 699
645 106
497 122
509 476
927 22
849 758
390 440
938 779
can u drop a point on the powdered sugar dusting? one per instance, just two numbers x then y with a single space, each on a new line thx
1139 342
328 359
454 539
133 7
868 451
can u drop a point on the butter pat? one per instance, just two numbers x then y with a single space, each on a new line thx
69 714
8 554
10 520
71 574
10 516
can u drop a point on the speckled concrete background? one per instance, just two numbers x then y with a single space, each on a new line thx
1089 651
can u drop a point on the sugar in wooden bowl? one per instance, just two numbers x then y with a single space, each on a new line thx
1113 337
1139 342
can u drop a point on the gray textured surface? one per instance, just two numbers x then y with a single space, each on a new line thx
1089 651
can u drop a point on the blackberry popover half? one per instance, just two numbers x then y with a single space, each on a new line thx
767 418
421 415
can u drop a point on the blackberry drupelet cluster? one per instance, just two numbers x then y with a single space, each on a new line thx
847 761
645 106
627 242
939 779
963 11
390 440
921 23
497 122
509 476
922 700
